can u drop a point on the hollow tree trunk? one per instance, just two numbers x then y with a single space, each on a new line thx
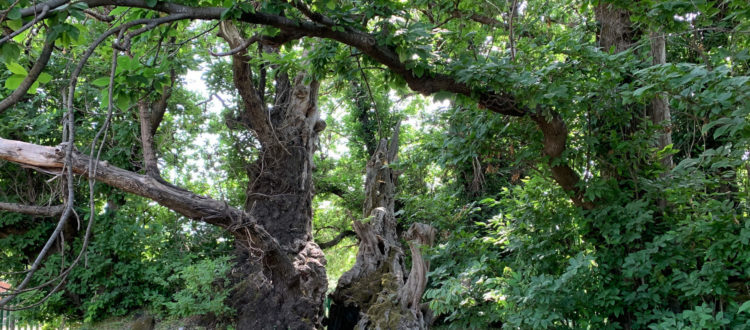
283 290
376 293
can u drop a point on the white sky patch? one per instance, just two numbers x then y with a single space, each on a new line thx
204 141
522 7
689 17
195 84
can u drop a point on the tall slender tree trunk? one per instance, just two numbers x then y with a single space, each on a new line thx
660 113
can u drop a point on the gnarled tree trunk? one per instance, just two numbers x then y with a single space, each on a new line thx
282 290
376 293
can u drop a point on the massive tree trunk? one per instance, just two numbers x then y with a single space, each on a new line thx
279 278
377 293
280 197
284 291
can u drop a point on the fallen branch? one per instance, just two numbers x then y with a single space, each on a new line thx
47 211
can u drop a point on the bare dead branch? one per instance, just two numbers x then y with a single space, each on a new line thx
47 211
181 201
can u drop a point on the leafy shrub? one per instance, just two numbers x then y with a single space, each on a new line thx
200 293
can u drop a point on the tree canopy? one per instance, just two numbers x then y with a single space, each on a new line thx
255 164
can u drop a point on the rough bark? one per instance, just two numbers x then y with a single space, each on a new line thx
280 197
150 116
150 161
286 283
376 293
615 31
47 211
278 204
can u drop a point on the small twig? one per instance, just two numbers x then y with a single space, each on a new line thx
4 12
98 16
36 19
239 48
513 9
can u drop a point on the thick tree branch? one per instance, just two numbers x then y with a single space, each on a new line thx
486 20
47 211
325 187
555 137
336 240
255 111
315 17
52 5
160 107
181 201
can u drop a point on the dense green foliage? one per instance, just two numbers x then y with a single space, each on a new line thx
661 248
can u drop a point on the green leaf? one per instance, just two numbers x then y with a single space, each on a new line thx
225 14
14 81
14 13
15 24
101 82
122 101
17 69
151 3
720 131
44 78
745 307
638 92
34 86
104 97
9 51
